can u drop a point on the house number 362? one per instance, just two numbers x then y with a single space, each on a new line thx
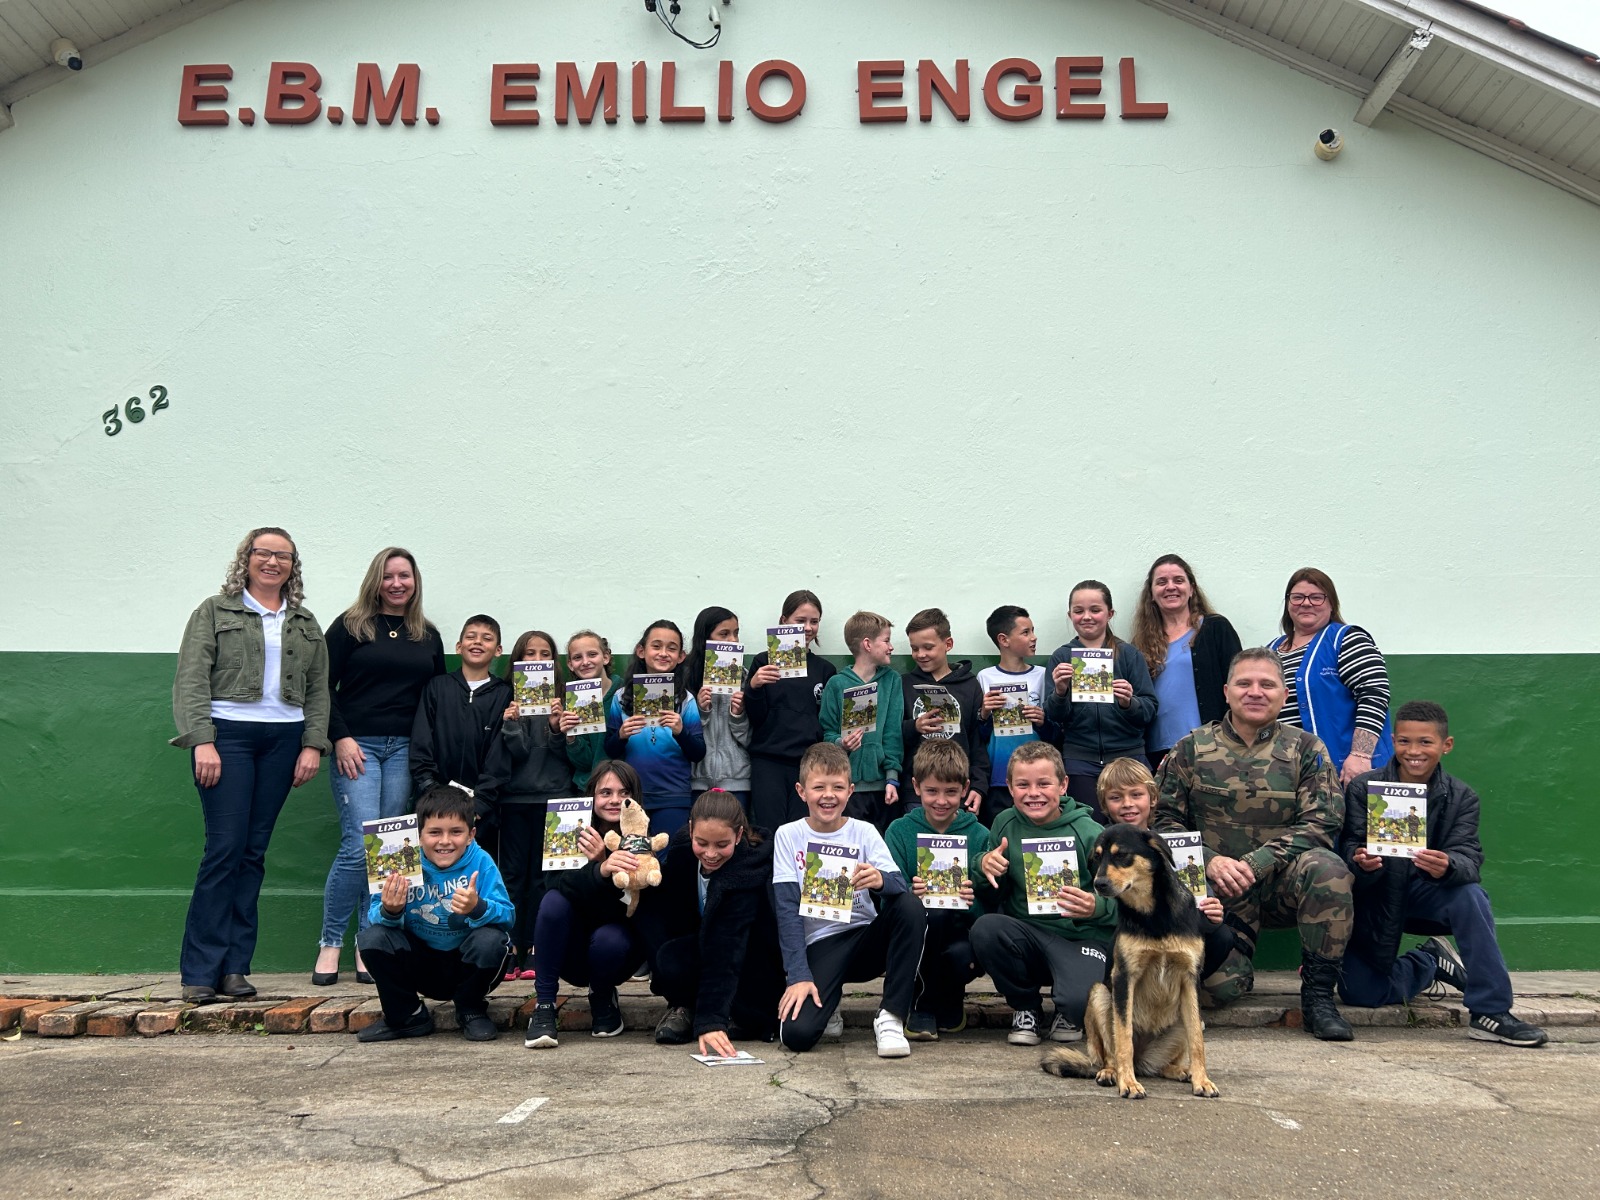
133 410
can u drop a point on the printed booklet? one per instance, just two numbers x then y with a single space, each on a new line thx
654 696
1190 862
860 707
535 685
586 697
825 891
1092 675
741 1058
564 820
392 846
1010 721
942 866
786 650
1048 865
1397 818
724 667
932 697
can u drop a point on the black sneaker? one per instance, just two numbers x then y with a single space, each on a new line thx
921 1027
1025 1027
605 1013
1503 1027
542 1028
674 1028
419 1024
476 1026
1448 967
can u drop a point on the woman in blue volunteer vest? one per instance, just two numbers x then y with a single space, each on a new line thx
1338 683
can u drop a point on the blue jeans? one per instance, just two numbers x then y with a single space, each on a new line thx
219 934
383 792
1464 909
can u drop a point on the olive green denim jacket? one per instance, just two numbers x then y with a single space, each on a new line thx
223 657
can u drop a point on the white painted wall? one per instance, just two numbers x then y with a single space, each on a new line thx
1086 342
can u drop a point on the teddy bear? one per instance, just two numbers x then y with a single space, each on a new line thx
636 840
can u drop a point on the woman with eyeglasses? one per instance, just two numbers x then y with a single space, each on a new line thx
250 701
1336 679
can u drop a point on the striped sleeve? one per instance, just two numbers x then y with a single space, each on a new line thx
1363 671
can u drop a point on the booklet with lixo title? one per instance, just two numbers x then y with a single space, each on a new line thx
860 709
392 848
1189 860
586 697
934 697
564 820
786 650
1048 865
654 696
724 667
534 683
1397 818
825 890
1092 675
1009 720
942 867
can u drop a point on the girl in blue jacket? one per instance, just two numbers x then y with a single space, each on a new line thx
660 746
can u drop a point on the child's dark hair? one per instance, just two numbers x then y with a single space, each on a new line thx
483 619
1424 710
1003 620
940 762
694 667
724 806
521 648
442 800
929 618
626 776
1094 585
636 664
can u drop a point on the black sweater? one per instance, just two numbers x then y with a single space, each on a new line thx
536 758
973 737
785 718
374 687
736 933
456 737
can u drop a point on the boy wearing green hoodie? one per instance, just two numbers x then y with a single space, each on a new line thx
1069 949
940 774
875 748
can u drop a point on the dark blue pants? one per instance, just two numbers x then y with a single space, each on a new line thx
219 935
948 965
1464 909
521 863
669 818
566 948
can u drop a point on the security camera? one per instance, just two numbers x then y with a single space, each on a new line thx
66 54
1328 145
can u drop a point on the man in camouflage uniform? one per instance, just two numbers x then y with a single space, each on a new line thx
1268 805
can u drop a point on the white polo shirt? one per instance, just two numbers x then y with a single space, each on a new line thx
271 706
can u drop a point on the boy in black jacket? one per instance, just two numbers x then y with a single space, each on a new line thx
455 737
931 643
1436 892
709 927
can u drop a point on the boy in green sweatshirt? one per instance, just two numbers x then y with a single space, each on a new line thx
875 746
1069 947
939 773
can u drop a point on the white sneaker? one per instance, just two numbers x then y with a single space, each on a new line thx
890 1031
1063 1030
834 1029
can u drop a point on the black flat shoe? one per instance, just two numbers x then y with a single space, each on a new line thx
193 994
236 987
324 978
363 977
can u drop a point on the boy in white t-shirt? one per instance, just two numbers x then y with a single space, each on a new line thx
1011 630
885 931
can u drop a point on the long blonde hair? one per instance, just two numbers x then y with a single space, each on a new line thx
1149 627
238 577
361 618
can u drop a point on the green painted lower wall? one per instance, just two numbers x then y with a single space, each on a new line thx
102 831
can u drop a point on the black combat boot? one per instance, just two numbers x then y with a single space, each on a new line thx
1321 1015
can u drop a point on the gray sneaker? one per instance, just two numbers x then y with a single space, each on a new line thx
1063 1030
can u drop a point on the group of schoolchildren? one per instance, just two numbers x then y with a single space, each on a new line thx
745 786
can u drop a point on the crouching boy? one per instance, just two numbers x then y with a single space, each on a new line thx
1436 892
446 941
883 935
940 775
1068 948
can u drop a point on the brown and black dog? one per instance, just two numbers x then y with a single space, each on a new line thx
1149 1018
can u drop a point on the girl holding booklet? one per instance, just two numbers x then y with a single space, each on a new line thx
653 725
588 659
1092 732
583 933
537 753
710 928
726 765
785 718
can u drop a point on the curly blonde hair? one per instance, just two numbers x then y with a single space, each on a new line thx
238 576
